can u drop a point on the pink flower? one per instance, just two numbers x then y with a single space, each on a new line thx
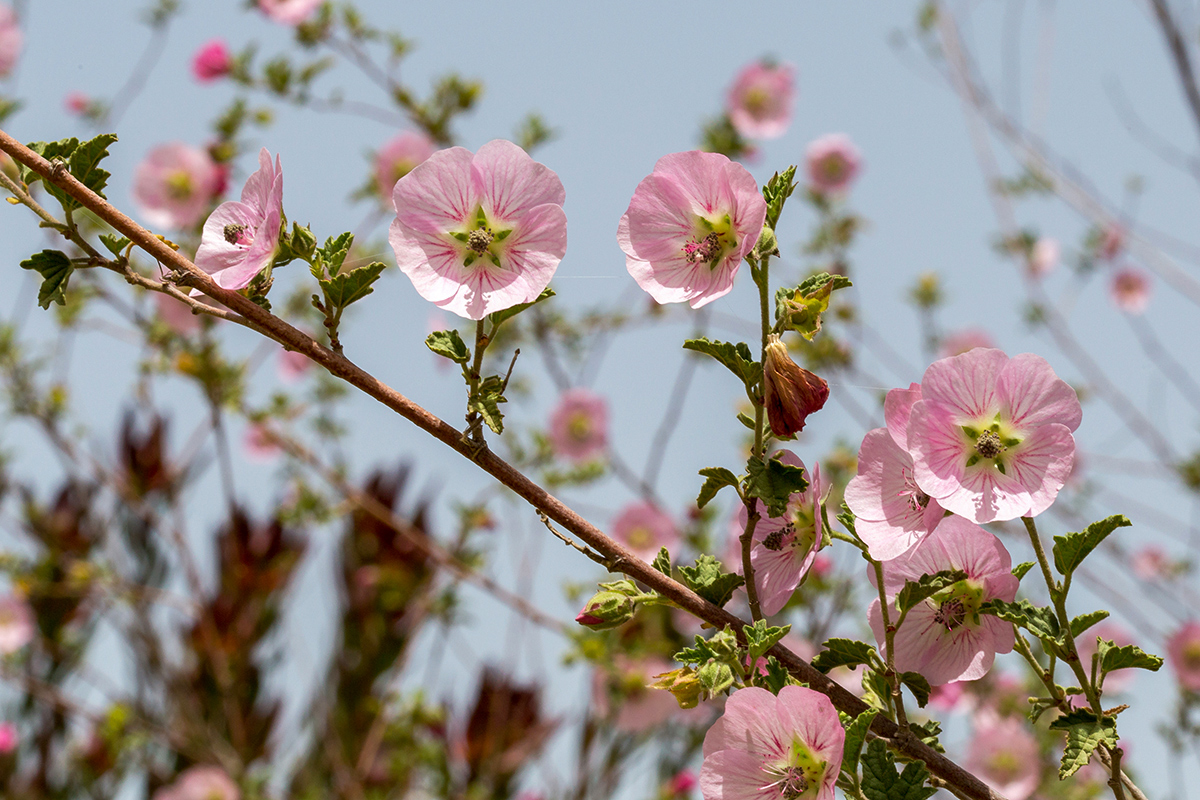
1111 241
964 341
683 782
767 748
16 624
784 548
760 100
689 225
1130 290
1183 651
991 436
579 425
259 446
10 40
1119 680
77 103
833 163
241 239
292 365
289 12
893 514
174 185
399 157
1043 257
211 61
201 783
479 233
1151 563
8 738
944 637
641 707
1004 754
644 528
949 697
176 315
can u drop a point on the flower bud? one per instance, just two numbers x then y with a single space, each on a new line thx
790 392
606 610
767 245
684 683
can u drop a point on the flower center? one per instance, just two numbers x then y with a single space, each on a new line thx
794 783
951 613
703 250
757 102
479 240
833 168
799 775
179 185
989 444
579 427
235 233
774 540
710 241
956 604
640 537
1191 654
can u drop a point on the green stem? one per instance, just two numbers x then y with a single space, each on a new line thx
889 634
474 423
759 274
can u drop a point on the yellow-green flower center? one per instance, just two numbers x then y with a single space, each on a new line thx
179 185
711 241
957 604
799 775
991 440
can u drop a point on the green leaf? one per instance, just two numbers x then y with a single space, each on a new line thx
737 357
776 192
1084 734
709 581
843 653
448 344
717 479
662 562
508 313
333 253
114 244
1128 657
1072 549
777 676
761 637
1020 570
1085 621
918 685
856 735
881 781
55 269
928 585
348 287
774 483
1040 621
928 732
85 163
50 151
800 309
485 402
847 519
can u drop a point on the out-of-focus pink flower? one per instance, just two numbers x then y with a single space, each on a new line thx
176 315
849 678
1043 257
689 225
211 61
481 232
991 435
76 103
1004 754
289 12
293 365
784 548
1118 680
10 40
642 708
683 782
201 782
760 100
1183 651
16 624
241 239
174 184
1130 290
949 697
579 425
398 157
259 447
1111 241
964 341
1003 694
944 637
766 747
893 514
1151 563
644 528
8 738
833 163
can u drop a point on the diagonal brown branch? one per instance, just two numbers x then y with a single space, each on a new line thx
903 741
